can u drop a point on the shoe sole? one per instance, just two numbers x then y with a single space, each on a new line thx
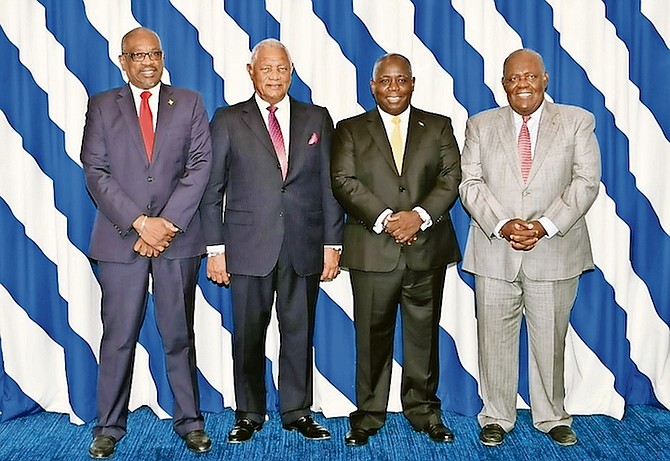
490 444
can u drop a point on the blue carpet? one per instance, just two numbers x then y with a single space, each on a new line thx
642 435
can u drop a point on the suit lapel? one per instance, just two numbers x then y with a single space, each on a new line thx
252 117
415 133
298 138
129 114
547 131
378 133
166 107
508 139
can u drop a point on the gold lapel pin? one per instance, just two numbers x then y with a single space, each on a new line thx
170 102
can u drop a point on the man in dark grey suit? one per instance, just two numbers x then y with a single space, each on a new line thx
146 153
531 171
280 234
395 170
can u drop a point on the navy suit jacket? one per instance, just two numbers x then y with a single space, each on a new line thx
263 211
124 185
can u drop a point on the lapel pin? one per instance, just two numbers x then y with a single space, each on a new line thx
170 102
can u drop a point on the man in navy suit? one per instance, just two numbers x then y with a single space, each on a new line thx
146 153
279 236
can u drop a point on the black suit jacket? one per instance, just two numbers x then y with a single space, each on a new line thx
263 211
365 182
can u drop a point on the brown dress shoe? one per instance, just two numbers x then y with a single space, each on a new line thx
563 435
197 441
309 428
102 447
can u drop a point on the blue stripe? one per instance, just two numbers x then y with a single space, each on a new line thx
86 51
355 42
649 57
39 297
442 29
190 66
45 142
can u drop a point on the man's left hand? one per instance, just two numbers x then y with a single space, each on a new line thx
331 264
403 226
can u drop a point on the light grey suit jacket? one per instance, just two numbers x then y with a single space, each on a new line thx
562 185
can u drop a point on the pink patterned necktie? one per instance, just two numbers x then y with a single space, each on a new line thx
147 124
523 145
277 140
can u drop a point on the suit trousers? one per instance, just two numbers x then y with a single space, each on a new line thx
252 307
376 299
500 307
124 296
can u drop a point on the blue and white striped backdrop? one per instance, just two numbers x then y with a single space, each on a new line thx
608 56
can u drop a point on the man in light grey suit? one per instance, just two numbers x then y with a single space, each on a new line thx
531 171
147 188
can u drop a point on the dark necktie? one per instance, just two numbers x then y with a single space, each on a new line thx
523 145
277 140
147 124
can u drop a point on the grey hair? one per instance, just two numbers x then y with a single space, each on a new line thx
269 43
378 62
534 53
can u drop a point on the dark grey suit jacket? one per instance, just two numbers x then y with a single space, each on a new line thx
124 185
263 211
365 182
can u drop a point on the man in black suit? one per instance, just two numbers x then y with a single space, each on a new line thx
147 188
395 169
280 235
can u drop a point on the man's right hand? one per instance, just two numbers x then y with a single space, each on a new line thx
216 269
156 231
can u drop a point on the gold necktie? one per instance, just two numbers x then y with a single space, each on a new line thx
396 144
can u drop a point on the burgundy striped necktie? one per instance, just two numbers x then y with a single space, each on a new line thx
523 145
277 140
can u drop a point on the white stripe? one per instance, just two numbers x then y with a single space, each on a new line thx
328 399
143 390
214 351
32 359
29 193
622 97
113 20
658 12
434 88
225 40
648 334
489 33
589 385
25 25
333 85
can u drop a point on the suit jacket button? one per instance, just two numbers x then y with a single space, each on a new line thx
401 189
150 179
281 214
283 189
149 206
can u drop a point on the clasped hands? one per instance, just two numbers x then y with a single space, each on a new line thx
522 235
403 226
155 235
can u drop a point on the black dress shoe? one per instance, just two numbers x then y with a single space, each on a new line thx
243 430
309 428
492 435
357 437
563 435
197 441
438 432
102 447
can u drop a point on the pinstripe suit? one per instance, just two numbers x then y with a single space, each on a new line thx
540 283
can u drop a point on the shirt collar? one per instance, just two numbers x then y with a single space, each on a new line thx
283 105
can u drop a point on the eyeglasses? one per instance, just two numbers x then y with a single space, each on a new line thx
139 56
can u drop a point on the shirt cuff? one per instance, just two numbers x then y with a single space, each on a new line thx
334 247
213 250
549 227
425 217
379 223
